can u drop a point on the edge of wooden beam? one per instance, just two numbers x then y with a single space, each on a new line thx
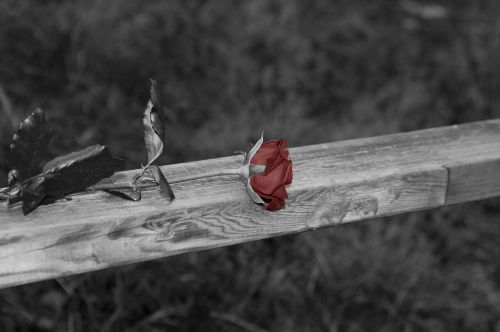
333 183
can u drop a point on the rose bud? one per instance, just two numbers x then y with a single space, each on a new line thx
268 186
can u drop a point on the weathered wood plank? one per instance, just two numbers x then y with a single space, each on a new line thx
333 183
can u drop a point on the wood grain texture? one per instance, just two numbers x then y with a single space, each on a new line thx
333 183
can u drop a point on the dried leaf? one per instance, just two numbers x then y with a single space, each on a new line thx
165 189
66 174
78 170
153 136
33 194
153 125
29 147
154 133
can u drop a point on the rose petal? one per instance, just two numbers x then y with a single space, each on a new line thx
270 182
278 201
287 179
281 154
273 203
266 151
282 148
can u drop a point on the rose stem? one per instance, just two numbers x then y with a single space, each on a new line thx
115 186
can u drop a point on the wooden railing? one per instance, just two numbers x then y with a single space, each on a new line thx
333 183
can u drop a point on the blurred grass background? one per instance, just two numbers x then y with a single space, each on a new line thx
312 72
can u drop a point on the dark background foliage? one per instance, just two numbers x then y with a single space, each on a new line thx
310 71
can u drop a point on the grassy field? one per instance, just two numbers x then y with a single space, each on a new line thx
312 72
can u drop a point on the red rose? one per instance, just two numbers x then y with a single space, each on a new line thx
270 185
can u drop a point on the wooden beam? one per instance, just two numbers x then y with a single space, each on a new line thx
333 183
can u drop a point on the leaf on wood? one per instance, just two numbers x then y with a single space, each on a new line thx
153 125
33 194
29 147
154 133
165 189
72 172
